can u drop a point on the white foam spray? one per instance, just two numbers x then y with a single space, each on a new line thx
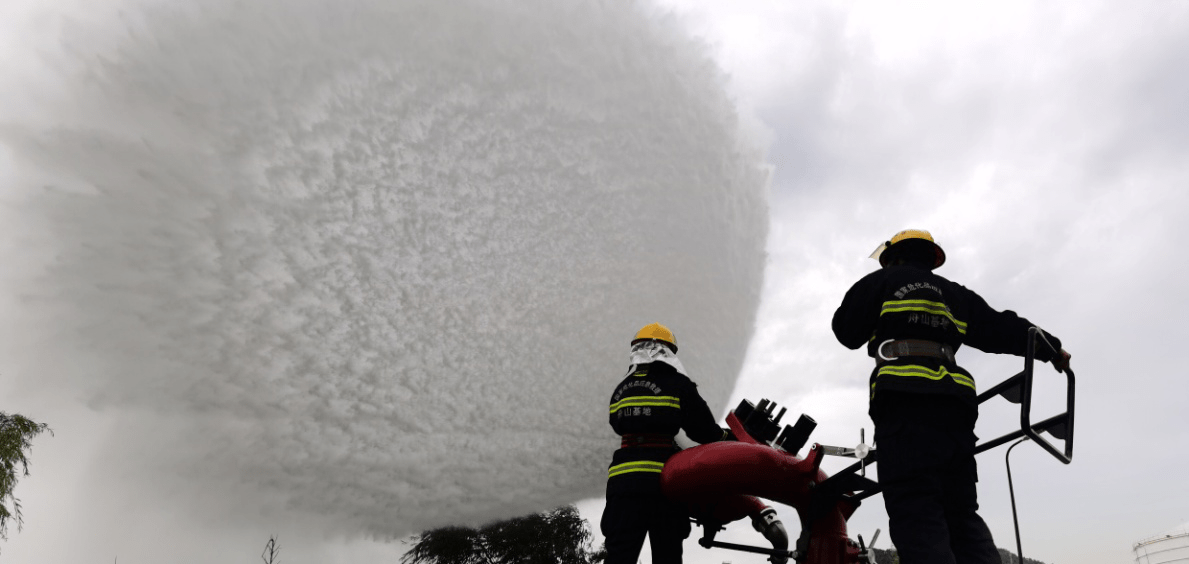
373 261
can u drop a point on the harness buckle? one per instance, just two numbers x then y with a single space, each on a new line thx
879 350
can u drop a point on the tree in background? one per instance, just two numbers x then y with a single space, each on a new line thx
1008 557
885 556
560 536
272 551
448 545
16 437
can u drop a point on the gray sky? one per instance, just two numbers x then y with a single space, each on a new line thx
203 306
1041 144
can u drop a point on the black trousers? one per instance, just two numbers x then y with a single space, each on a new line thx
928 475
628 517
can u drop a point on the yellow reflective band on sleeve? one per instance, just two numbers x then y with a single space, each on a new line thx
923 306
640 466
647 401
918 371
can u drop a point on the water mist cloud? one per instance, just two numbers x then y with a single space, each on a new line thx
377 261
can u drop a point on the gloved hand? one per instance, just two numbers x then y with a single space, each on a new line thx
1061 363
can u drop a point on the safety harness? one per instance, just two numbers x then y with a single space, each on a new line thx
647 440
642 440
892 349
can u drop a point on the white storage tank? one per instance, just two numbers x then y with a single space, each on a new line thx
1168 548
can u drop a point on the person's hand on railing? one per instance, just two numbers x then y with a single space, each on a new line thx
1061 363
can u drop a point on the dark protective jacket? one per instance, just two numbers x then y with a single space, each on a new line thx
911 302
648 407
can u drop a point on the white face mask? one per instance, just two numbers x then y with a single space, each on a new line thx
654 351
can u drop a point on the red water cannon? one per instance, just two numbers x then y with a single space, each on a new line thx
720 482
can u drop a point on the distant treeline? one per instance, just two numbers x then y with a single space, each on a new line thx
1005 555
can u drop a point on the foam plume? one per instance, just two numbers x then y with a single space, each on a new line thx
374 261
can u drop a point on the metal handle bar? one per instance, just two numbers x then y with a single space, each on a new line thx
1018 389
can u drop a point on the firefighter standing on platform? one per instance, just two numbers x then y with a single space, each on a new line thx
924 405
648 407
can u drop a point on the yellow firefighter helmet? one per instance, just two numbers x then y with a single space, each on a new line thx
656 332
882 255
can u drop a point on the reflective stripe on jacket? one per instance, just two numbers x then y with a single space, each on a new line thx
646 401
918 371
923 306
637 466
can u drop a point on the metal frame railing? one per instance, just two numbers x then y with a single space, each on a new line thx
1018 389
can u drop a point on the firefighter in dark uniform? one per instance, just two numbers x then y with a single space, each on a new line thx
649 406
923 404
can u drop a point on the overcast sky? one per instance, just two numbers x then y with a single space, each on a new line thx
344 273
1042 144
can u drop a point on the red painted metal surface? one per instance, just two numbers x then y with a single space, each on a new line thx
718 479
